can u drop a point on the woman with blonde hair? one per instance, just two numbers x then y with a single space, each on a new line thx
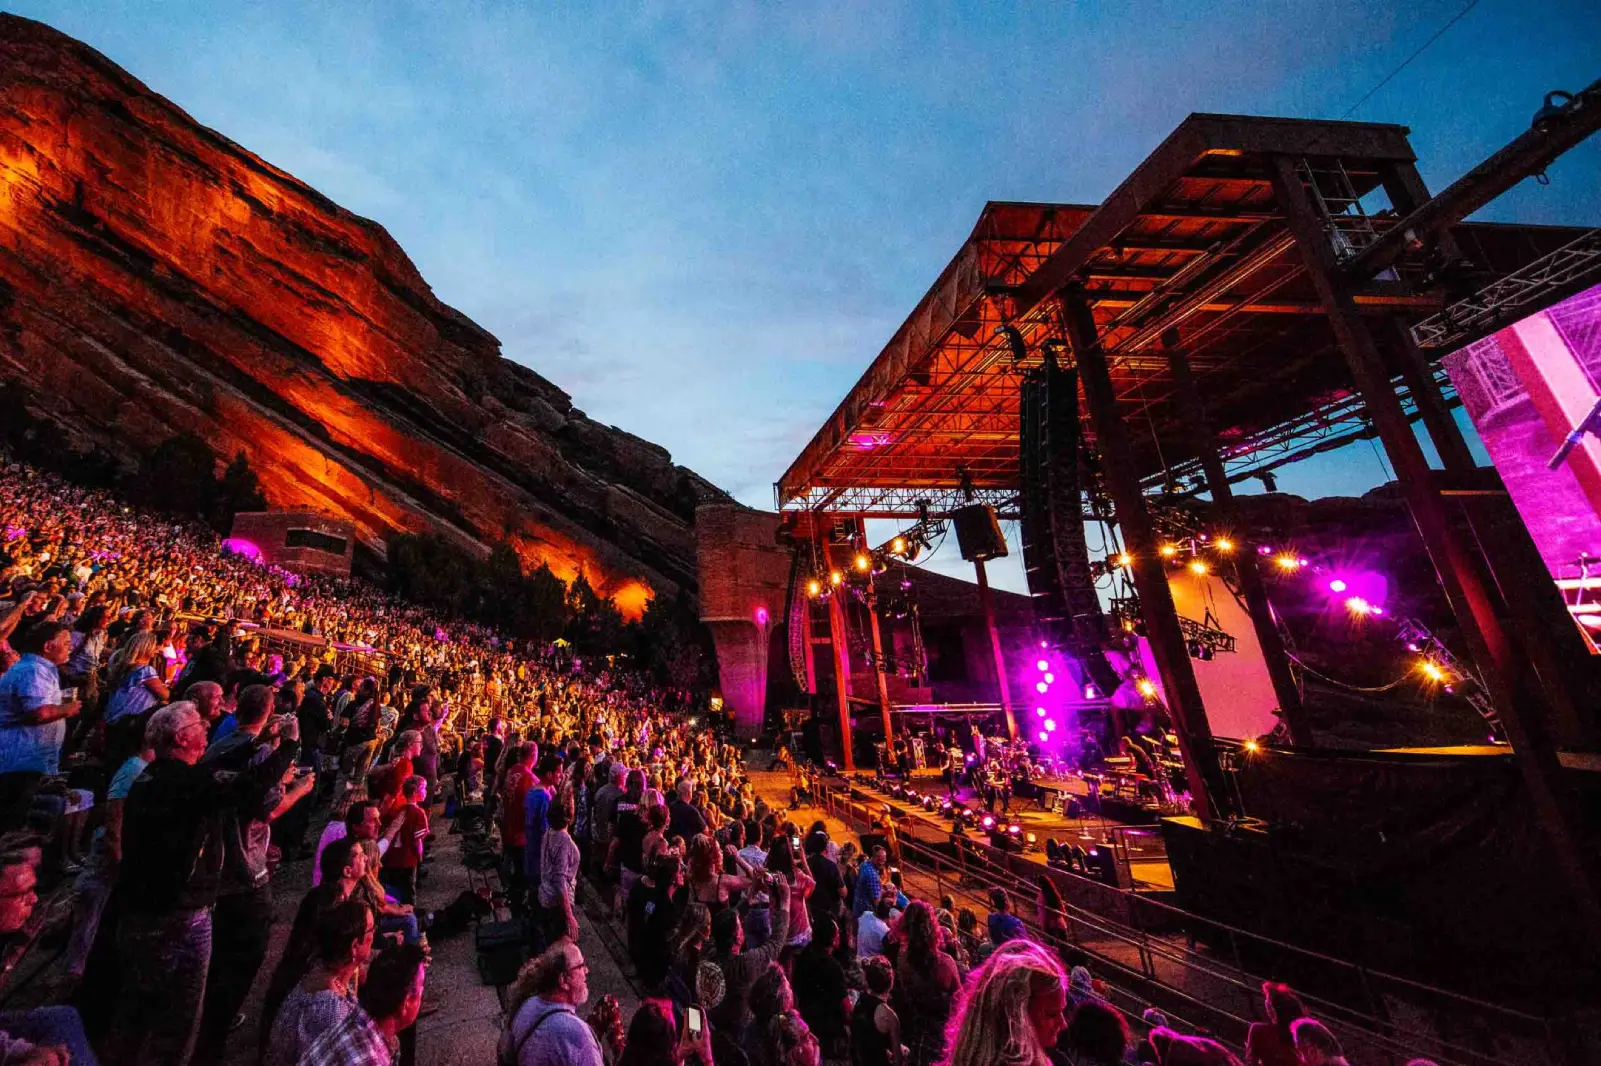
1011 1012
135 685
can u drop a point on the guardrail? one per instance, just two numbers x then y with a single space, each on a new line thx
1152 949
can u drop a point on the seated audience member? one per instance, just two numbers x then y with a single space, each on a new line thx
43 1036
545 1029
328 992
390 997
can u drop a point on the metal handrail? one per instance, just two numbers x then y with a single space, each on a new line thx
1140 940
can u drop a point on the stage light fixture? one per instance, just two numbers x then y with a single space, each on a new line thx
1358 606
814 588
1432 670
1031 839
1146 688
1050 725
1124 559
1043 665
835 577
1050 679
1041 687
1288 562
1040 711
1090 692
864 562
1198 568
1169 550
989 821
1338 585
1252 745
898 545
1044 736
1223 544
1015 829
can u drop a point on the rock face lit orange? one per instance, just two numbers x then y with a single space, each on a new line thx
156 278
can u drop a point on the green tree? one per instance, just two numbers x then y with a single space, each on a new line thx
237 490
674 646
179 477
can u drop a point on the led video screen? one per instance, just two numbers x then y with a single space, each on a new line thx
1532 392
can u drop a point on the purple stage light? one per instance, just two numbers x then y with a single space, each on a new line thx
241 546
1044 736
1043 665
761 616
1338 585
1050 725
1050 679
1042 687
1040 711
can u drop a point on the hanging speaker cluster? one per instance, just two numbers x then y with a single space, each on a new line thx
978 533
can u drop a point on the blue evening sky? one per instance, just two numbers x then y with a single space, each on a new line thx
703 220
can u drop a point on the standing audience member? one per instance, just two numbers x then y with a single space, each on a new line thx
390 997
32 718
875 1028
822 991
399 871
1097 1035
1003 924
515 783
558 868
1315 1044
173 855
1011 1010
740 967
242 915
926 984
1270 1043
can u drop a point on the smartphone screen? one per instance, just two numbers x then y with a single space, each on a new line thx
694 1019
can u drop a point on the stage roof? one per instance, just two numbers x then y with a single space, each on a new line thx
1193 240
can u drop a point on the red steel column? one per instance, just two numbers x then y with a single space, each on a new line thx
1150 574
842 660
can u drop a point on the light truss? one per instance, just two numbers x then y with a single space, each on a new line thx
872 501
1518 294
1323 429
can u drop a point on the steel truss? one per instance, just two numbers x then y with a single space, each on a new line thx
1518 294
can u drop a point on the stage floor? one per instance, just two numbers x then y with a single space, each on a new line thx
1148 866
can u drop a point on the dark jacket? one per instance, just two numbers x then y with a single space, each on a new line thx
244 829
172 836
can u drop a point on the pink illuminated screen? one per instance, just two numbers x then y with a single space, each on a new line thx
1526 388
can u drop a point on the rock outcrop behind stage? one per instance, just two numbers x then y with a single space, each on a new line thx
157 278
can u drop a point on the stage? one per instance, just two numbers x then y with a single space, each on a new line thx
1132 833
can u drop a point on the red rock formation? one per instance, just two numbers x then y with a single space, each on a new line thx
157 278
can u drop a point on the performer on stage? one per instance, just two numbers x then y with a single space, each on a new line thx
952 770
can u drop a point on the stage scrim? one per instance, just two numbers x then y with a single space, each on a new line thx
1526 388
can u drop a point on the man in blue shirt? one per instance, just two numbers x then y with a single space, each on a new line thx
32 719
869 882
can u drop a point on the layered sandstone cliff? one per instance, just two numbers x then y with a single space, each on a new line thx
157 278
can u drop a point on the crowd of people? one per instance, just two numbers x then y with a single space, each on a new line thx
166 746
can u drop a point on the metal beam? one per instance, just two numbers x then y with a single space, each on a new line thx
1150 574
1529 153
